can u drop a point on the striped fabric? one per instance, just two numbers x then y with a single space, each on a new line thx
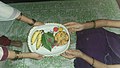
3 53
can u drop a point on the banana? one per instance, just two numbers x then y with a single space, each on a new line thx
38 43
34 36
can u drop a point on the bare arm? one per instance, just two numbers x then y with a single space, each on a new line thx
102 23
95 63
7 13
12 55
28 20
74 26
91 61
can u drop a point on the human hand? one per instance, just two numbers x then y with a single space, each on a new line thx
38 23
74 26
35 56
72 54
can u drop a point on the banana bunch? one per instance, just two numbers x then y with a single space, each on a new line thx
36 37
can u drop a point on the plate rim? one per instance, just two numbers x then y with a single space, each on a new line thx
56 54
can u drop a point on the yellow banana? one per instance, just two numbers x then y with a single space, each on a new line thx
38 43
34 36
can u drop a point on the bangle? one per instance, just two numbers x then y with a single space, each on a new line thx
94 24
20 17
33 22
17 57
93 62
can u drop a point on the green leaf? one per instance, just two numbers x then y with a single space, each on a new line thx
48 40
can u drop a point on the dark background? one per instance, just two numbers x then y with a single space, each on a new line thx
118 2
17 1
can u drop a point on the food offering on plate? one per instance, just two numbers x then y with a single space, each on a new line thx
37 37
61 37
49 38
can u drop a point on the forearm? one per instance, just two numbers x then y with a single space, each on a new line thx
25 55
25 19
93 62
102 23
13 55
114 66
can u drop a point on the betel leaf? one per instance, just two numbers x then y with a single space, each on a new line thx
47 40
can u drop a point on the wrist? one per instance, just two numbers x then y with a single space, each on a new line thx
80 54
23 18
93 61
94 24
84 26
89 24
33 21
17 55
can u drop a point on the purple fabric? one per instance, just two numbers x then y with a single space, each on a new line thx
95 43
114 42
5 53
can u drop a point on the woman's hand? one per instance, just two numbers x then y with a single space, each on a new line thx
38 24
74 26
72 54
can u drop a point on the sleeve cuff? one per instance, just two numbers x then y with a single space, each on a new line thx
4 53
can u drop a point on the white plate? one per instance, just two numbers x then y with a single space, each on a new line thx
48 27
